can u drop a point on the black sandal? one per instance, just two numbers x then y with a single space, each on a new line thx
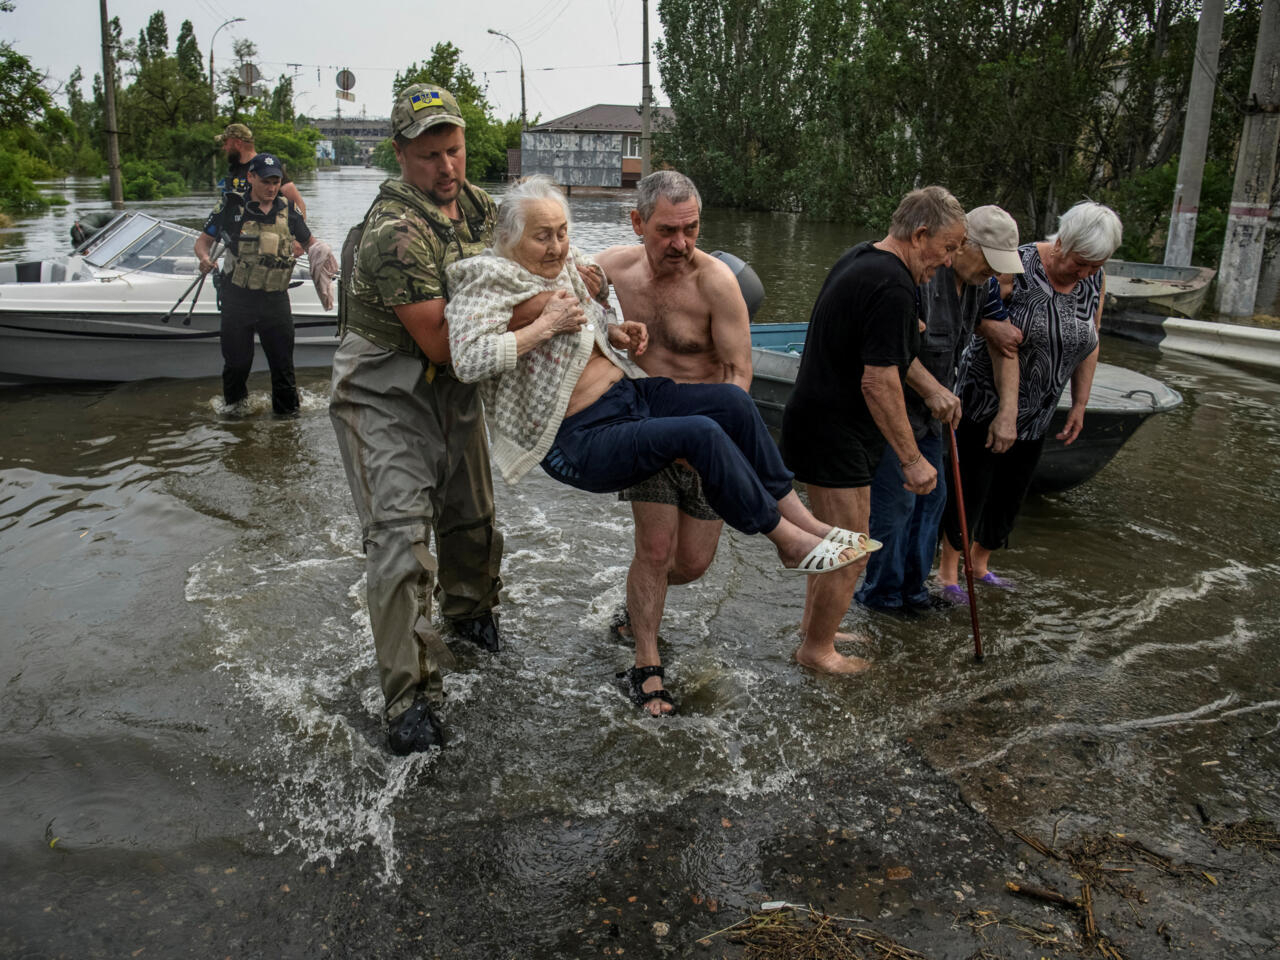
632 681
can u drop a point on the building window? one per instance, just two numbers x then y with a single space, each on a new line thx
631 145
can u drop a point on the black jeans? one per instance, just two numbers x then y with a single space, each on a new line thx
244 313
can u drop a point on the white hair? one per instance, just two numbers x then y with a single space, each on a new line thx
1090 230
511 215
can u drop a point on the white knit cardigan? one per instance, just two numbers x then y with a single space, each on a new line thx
524 397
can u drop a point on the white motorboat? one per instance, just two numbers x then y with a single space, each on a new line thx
103 313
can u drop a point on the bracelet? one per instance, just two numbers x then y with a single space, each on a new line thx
914 460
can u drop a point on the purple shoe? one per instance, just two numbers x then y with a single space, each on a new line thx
955 595
992 580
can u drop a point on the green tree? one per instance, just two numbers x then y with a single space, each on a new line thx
190 62
837 107
280 105
153 40
346 150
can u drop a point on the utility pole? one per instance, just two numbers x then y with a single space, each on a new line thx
646 103
213 97
109 94
1195 137
524 117
1255 170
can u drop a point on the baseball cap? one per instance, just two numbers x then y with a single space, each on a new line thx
421 107
237 130
997 234
265 165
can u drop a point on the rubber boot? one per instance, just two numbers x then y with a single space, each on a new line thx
482 631
415 730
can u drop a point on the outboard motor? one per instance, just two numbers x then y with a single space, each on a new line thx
748 281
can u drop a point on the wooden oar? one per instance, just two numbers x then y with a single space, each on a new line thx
964 542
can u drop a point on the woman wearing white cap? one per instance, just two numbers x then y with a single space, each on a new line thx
1057 304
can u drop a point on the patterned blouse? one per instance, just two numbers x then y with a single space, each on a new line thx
1058 332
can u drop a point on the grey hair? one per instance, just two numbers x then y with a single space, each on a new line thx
676 187
1090 230
511 215
932 207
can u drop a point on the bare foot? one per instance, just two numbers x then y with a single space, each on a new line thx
831 662
655 707
842 637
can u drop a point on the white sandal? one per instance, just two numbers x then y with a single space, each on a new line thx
851 539
823 558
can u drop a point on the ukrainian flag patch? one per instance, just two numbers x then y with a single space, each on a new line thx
421 101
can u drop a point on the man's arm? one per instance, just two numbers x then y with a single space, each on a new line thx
883 392
204 246
425 322
1004 426
942 403
290 192
730 324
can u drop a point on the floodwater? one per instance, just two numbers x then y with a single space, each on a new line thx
194 763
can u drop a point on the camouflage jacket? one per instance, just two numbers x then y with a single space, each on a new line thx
408 242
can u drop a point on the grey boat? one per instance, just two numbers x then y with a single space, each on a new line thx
1121 399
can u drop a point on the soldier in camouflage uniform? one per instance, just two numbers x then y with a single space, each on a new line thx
411 435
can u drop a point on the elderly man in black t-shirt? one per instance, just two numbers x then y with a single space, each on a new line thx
864 334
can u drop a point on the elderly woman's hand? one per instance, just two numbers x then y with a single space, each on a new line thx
1003 431
1075 423
629 335
562 314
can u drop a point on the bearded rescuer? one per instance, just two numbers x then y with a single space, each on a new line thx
260 228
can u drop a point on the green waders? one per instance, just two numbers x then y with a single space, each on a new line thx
417 460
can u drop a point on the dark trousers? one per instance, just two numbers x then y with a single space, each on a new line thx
640 426
249 312
995 484
907 525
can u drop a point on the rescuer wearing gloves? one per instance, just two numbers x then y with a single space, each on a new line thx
260 229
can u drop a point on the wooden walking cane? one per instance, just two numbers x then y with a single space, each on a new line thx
964 542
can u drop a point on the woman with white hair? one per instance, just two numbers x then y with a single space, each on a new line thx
557 392
1057 304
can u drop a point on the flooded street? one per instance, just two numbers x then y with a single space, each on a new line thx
195 764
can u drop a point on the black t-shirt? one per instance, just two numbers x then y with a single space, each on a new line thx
233 211
867 313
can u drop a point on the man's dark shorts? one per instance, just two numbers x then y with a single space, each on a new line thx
675 485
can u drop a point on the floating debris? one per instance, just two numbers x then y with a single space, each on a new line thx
1254 832
785 933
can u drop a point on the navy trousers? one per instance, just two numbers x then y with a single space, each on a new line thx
907 525
640 426
244 313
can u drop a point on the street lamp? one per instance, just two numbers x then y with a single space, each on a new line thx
524 122
213 91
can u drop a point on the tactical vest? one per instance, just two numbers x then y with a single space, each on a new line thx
379 324
264 255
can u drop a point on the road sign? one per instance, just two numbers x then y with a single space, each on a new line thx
346 80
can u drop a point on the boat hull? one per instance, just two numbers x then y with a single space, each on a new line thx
74 346
1119 402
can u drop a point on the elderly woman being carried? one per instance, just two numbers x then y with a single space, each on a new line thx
558 392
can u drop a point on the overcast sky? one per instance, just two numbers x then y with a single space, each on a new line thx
571 48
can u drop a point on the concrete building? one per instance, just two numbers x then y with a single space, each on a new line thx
367 132
595 147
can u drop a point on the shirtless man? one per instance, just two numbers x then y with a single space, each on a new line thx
699 332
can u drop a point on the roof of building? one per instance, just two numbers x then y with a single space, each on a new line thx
608 118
